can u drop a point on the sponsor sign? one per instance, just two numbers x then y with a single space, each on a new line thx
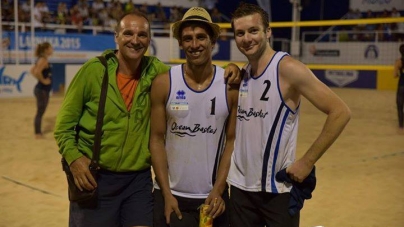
62 42
358 53
371 52
324 52
348 78
159 47
68 48
16 81
376 5
341 78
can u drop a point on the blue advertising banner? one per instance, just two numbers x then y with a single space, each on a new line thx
68 48
16 81
61 42
348 78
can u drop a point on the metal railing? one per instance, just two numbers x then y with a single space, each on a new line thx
63 28
354 36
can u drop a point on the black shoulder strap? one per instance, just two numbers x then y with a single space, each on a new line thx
100 116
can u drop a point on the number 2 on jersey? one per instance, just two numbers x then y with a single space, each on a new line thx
264 94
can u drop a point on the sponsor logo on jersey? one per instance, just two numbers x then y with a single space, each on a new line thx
246 115
186 130
179 106
244 88
180 94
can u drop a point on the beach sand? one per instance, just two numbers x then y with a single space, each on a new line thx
359 179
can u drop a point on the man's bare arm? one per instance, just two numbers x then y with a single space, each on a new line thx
302 81
159 95
214 198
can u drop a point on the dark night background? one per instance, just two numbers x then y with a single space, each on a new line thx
281 10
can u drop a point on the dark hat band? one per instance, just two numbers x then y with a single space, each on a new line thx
196 17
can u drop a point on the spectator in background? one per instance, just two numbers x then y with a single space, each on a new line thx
5 42
350 14
42 71
7 10
62 14
385 14
110 23
144 9
116 10
83 10
387 27
103 17
208 4
38 23
398 28
93 20
384 30
216 15
159 14
357 14
369 34
111 4
343 34
97 6
223 34
175 14
23 16
76 18
46 14
25 11
129 7
395 13
399 73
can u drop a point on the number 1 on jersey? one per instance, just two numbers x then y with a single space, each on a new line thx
212 108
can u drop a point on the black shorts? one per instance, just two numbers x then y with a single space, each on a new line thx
189 210
124 199
259 209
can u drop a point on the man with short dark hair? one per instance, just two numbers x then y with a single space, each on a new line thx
193 119
267 125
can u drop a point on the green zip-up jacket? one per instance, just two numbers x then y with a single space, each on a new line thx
125 137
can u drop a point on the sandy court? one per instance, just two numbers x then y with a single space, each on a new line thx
360 178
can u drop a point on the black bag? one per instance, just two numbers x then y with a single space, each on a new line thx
84 197
87 198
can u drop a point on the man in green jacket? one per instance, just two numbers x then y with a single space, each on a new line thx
124 180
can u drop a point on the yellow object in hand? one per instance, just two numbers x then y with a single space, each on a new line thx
204 219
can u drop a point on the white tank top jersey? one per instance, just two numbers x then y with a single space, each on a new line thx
195 133
266 132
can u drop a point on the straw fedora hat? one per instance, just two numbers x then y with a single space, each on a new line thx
196 14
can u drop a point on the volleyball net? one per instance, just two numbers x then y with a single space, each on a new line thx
356 44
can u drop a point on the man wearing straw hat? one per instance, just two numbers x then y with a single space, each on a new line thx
193 115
